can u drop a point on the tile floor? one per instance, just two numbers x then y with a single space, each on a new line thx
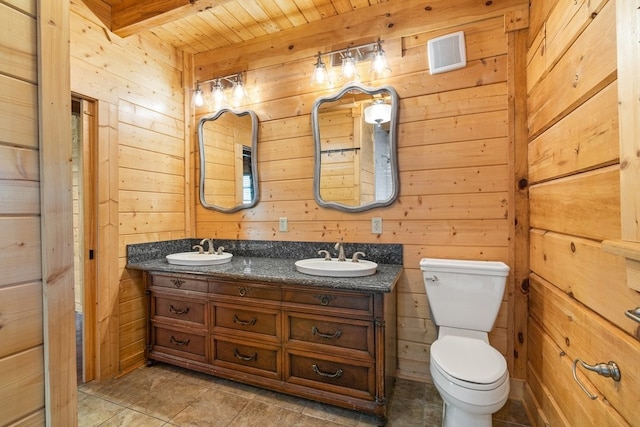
165 395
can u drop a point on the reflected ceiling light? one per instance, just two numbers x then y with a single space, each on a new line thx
198 96
349 69
379 64
377 113
319 75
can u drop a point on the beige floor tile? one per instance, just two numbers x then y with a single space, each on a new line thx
165 397
332 413
260 414
169 396
129 417
213 408
93 411
292 403
242 390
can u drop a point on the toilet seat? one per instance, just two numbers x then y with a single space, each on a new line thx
469 362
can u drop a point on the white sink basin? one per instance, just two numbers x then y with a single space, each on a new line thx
195 258
335 268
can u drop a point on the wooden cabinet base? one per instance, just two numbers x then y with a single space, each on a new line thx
331 346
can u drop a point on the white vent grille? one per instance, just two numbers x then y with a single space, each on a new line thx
447 53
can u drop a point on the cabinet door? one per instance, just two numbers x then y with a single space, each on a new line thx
247 356
248 321
181 343
179 282
334 374
327 301
249 291
332 335
180 309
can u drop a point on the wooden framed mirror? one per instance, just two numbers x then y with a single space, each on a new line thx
228 160
355 139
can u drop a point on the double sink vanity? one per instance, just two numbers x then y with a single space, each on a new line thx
258 319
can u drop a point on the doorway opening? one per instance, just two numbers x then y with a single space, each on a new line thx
84 135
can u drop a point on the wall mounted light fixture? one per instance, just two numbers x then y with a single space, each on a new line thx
319 76
348 59
233 84
379 63
198 96
349 67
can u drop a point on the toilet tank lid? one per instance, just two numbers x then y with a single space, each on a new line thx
494 268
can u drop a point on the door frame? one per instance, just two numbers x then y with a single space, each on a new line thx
89 164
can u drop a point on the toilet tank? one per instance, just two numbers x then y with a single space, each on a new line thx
464 294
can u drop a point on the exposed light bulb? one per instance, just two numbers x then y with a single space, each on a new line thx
349 69
319 75
217 95
380 64
198 97
239 93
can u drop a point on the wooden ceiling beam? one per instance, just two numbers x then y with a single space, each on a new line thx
132 16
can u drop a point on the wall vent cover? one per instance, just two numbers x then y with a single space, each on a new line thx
447 53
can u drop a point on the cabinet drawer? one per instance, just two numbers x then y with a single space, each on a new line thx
252 358
179 308
244 290
180 343
356 303
330 331
179 282
248 319
337 375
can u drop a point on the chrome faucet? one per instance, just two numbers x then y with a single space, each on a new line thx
340 250
356 255
209 244
220 249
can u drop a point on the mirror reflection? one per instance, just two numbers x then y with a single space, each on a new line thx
355 148
228 163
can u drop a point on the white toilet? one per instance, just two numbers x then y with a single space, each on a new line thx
470 375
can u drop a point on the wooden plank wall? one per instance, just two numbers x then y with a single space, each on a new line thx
578 292
454 153
37 370
137 83
22 371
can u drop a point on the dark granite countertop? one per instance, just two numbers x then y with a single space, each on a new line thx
252 260
277 271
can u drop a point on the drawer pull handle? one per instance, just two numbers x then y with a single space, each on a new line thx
336 334
178 342
243 290
325 299
317 370
251 358
244 322
177 282
174 310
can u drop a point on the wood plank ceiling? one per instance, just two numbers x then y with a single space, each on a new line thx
196 26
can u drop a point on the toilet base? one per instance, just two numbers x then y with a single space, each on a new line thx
453 416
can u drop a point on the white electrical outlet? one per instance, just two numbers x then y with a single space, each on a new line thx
283 224
376 225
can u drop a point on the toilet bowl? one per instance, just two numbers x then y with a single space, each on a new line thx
470 375
472 379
